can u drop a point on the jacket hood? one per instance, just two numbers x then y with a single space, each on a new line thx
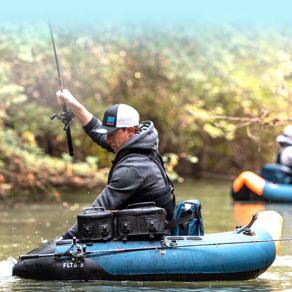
146 138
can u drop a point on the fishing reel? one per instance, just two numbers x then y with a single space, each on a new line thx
79 255
65 118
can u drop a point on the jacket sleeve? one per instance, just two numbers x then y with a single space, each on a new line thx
125 182
286 156
99 139
72 232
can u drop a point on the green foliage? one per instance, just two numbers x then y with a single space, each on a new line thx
24 167
10 93
170 160
165 75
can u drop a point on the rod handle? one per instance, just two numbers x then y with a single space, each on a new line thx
29 256
69 140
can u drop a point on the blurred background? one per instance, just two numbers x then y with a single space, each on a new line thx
215 77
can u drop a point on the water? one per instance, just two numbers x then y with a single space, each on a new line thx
25 227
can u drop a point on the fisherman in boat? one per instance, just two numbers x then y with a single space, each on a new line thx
284 156
137 174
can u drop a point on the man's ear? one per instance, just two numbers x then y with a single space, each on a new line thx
131 131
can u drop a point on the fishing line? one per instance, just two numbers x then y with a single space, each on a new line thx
12 203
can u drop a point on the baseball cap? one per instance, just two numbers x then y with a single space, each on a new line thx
287 136
116 117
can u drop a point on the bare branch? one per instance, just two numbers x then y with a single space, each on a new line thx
262 120
225 117
249 134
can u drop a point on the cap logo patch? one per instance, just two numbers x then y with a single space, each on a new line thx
110 121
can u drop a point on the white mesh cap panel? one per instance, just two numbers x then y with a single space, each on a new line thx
127 116
287 137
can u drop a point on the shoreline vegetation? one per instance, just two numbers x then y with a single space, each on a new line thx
218 97
28 174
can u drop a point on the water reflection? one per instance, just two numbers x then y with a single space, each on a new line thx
28 285
24 228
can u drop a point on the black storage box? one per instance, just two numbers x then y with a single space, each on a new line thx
141 221
95 224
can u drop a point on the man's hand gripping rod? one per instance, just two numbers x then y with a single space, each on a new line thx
66 116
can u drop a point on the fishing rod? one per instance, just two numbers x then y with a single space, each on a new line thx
66 116
163 246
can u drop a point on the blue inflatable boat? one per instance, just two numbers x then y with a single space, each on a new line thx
272 185
242 254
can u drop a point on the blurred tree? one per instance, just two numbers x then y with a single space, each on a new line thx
190 82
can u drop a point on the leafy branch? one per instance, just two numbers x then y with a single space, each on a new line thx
264 120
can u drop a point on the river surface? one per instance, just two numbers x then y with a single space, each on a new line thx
24 227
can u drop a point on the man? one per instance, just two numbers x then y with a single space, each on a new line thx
137 174
284 155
